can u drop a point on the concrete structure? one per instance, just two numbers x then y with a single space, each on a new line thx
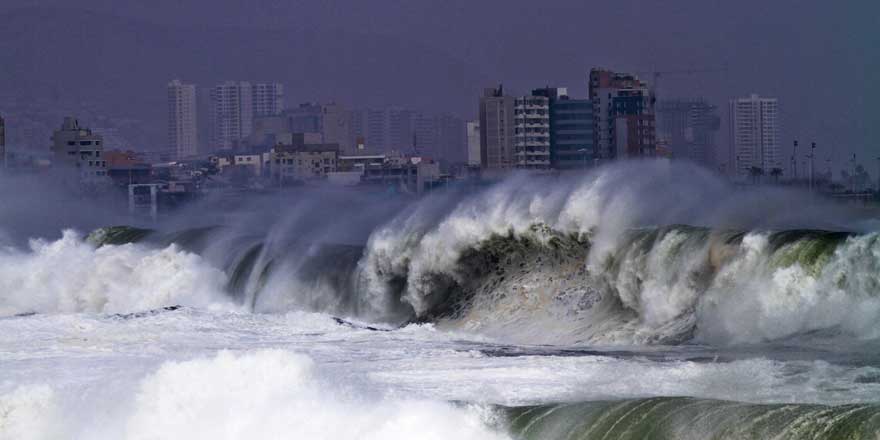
77 148
143 200
688 127
336 127
182 120
532 132
232 114
305 118
289 164
496 129
623 112
473 144
754 136
267 99
571 133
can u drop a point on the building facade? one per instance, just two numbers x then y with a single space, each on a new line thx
754 136
473 144
624 123
531 142
302 163
267 99
232 114
571 129
689 127
182 120
496 129
77 149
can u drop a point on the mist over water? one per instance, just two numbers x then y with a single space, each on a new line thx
454 314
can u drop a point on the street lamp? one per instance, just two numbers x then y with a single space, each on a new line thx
584 152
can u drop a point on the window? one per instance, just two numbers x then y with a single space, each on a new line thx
85 142
71 143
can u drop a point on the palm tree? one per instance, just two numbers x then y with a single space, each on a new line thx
756 173
776 173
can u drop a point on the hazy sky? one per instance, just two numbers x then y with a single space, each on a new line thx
820 58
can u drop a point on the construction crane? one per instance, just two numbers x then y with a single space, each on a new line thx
656 74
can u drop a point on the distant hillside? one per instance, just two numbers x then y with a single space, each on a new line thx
123 65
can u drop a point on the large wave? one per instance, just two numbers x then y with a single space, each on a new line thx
688 418
639 253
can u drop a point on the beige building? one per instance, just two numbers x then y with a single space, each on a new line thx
496 129
77 148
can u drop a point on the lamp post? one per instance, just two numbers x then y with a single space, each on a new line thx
812 153
583 152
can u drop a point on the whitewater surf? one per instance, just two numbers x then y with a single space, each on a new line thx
589 307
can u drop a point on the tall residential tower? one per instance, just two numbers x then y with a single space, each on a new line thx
496 129
182 120
623 110
754 135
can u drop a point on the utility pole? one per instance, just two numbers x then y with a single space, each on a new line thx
812 153
878 176
852 175
794 160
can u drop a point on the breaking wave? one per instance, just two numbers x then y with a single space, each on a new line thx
670 257
689 418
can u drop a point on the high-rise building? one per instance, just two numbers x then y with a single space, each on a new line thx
496 129
336 127
531 142
267 99
754 135
473 144
689 126
623 113
232 114
182 120
571 129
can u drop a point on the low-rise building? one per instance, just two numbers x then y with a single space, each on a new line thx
302 163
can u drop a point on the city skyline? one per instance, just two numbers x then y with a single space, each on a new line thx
564 53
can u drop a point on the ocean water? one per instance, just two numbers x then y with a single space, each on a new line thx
574 308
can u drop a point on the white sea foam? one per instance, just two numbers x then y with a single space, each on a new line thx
264 394
70 275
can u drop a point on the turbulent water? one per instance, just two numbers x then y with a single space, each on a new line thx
588 307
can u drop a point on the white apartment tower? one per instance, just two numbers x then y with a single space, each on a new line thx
531 142
754 135
182 120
